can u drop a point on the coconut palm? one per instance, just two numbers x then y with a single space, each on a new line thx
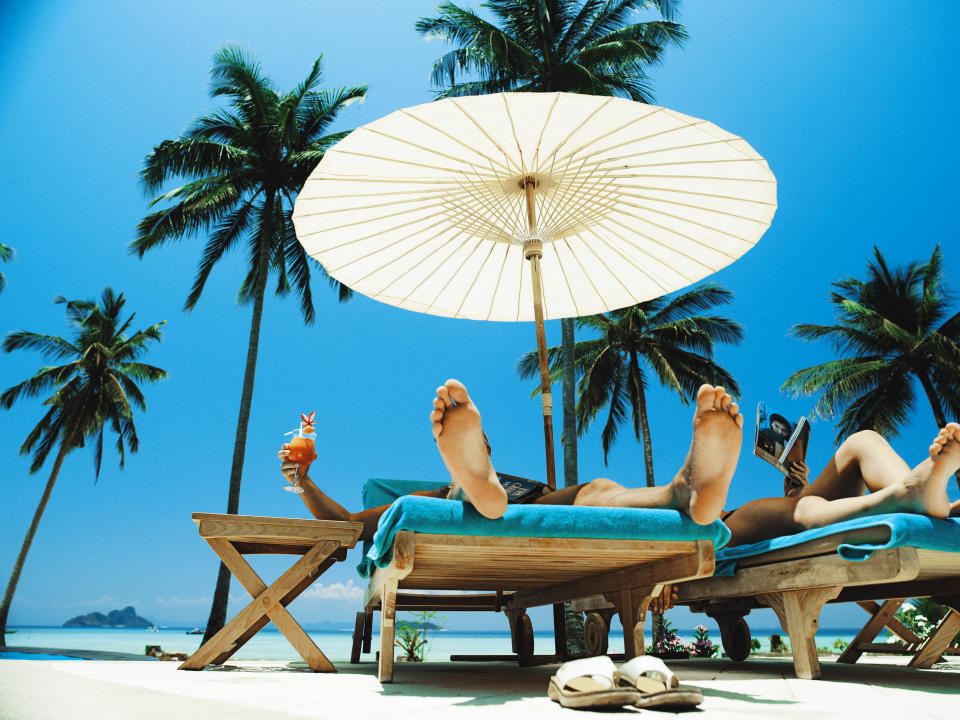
94 387
894 330
6 254
245 165
667 338
579 46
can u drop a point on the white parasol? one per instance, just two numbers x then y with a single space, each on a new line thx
434 208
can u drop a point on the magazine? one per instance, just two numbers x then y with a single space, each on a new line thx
778 441
519 489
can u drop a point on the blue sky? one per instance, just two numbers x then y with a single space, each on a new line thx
851 103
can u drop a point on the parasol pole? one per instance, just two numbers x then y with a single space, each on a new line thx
533 251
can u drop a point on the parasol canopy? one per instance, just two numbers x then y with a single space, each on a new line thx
426 208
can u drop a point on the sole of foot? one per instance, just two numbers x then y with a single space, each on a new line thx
713 455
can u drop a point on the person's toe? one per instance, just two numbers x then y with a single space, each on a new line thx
444 395
457 391
718 395
705 397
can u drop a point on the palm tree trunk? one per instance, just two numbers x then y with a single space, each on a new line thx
28 540
568 391
572 619
938 415
218 608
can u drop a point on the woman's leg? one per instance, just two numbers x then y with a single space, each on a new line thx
863 462
922 490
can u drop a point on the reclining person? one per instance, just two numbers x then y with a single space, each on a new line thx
864 461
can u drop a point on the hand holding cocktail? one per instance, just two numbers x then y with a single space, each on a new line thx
300 450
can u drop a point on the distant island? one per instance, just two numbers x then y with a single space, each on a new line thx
126 618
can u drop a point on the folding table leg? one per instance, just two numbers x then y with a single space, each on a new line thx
268 602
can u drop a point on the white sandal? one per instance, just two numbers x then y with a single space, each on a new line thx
656 685
591 682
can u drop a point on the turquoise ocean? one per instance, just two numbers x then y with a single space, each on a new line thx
269 644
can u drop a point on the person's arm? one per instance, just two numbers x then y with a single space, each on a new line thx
323 507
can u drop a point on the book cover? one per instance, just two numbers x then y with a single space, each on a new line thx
778 441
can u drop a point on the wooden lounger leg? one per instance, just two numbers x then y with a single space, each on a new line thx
388 616
368 631
933 646
357 637
632 608
881 616
799 611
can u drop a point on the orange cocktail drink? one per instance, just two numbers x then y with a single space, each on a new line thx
301 451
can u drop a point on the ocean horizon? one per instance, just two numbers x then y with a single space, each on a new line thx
270 644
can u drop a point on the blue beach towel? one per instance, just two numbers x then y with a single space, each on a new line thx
905 529
432 515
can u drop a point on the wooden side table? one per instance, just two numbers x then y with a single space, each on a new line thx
321 543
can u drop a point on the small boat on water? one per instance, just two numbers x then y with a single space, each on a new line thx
153 628
196 631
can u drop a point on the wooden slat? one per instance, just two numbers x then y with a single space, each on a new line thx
937 643
280 531
877 622
675 569
891 565
819 546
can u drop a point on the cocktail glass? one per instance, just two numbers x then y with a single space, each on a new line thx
300 452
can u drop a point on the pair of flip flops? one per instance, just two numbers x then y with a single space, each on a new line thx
595 682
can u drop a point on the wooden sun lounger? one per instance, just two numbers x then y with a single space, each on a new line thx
797 581
524 572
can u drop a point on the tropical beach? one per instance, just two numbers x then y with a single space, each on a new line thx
183 281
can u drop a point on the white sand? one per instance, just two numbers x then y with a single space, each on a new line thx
764 688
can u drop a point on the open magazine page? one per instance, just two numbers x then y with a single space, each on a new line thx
778 441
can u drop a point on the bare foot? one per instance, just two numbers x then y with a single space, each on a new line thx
703 480
463 447
924 490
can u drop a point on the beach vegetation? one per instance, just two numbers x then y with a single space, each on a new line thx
668 339
578 46
95 384
244 165
413 637
6 255
894 329
702 645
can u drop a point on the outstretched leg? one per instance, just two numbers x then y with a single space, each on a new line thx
460 440
700 487
922 490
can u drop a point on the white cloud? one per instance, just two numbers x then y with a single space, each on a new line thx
335 591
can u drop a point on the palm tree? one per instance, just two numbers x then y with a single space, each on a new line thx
245 165
94 387
664 336
584 46
893 330
6 254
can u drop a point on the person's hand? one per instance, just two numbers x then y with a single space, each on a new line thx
665 600
796 480
288 469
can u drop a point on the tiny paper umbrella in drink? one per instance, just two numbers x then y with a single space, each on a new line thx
435 208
